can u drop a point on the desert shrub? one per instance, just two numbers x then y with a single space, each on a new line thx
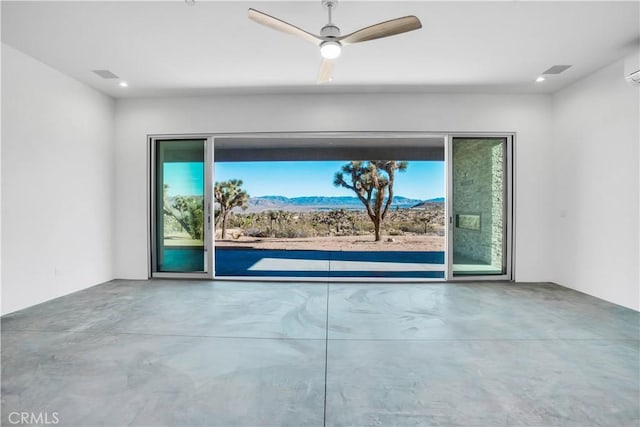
256 232
294 232
333 223
234 221
416 228
394 232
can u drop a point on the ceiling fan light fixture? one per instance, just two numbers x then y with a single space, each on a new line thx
330 41
330 49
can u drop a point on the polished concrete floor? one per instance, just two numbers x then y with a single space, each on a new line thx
187 353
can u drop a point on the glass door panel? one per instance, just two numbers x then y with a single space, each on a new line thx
478 219
180 217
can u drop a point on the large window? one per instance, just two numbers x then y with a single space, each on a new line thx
450 218
180 214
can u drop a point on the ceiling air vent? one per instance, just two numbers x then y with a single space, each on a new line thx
106 74
556 69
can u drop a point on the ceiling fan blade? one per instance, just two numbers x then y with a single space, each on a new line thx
325 75
383 29
285 27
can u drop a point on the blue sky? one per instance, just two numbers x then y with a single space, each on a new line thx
422 180
184 178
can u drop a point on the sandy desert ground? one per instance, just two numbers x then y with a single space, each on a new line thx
339 243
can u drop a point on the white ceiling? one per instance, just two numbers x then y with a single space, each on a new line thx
170 48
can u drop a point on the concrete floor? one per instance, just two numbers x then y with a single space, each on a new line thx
189 353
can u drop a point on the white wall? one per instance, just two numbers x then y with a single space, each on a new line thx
527 115
595 205
57 186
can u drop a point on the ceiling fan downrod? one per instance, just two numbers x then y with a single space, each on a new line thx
330 5
330 30
330 48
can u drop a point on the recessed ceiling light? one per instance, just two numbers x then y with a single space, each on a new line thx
540 79
124 84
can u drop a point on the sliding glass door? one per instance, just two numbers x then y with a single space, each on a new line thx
181 231
480 207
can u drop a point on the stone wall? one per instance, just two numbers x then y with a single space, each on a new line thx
478 189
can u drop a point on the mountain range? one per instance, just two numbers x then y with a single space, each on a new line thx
313 203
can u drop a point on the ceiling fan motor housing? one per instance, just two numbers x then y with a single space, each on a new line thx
330 31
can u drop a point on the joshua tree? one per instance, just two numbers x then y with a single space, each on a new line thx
340 217
279 217
188 211
322 218
425 220
229 195
371 181
273 217
216 215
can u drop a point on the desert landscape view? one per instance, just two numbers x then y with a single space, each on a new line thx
312 225
364 211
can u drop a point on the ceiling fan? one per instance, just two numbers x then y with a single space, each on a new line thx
330 41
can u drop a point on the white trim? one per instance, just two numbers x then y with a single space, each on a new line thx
512 172
448 219
328 280
164 275
151 180
305 134
210 235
